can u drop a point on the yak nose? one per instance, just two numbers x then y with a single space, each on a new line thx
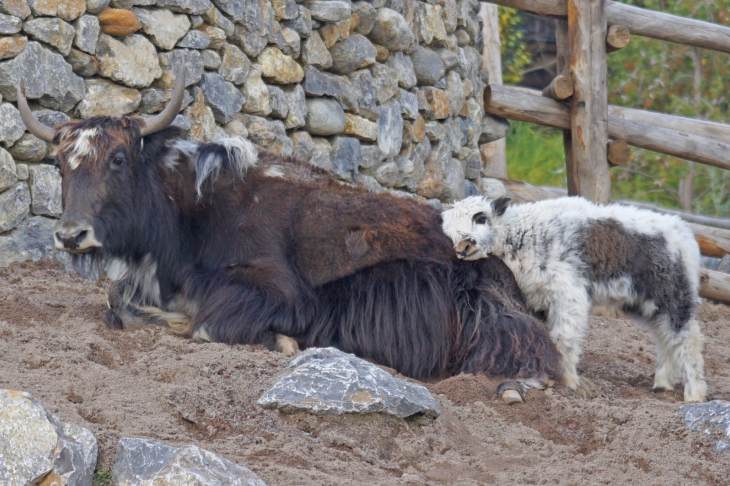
75 237
465 247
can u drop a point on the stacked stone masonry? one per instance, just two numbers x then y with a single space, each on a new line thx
385 93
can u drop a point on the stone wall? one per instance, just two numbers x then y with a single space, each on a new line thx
386 93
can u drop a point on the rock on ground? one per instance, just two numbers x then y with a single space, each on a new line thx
710 418
329 381
146 461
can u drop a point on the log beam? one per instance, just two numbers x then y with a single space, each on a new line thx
715 285
618 37
560 88
619 152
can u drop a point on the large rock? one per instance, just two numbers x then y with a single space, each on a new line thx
325 116
202 121
392 31
31 240
315 53
430 22
279 68
403 67
390 129
492 128
10 24
360 127
256 26
256 93
14 206
65 9
211 59
434 103
46 75
16 8
11 46
87 33
318 83
8 173
105 98
146 461
279 102
364 15
187 62
329 381
36 445
222 96
235 65
52 31
132 62
296 99
45 190
195 39
710 418
29 148
385 83
269 134
163 27
428 66
353 53
11 124
329 10
82 63
345 156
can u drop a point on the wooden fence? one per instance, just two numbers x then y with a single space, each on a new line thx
596 134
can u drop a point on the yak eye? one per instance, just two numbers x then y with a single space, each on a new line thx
118 159
479 218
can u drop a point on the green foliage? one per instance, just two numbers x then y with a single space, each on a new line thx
535 154
102 477
515 56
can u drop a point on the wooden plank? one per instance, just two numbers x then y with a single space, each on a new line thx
618 37
703 128
715 285
711 246
562 60
530 105
589 105
641 21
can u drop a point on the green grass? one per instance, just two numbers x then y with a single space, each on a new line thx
102 477
535 155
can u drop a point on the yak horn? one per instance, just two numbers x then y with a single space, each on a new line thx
34 126
166 116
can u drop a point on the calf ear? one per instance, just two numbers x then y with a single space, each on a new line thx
499 206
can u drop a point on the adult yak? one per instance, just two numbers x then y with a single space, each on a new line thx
228 246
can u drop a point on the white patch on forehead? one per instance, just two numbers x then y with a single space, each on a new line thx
82 147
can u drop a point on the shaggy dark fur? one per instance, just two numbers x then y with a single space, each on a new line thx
327 264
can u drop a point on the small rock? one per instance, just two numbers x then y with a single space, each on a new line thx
329 381
185 62
96 6
10 24
279 68
202 121
360 127
269 134
315 53
216 18
32 240
14 207
449 58
324 116
132 62
334 32
455 93
65 9
385 83
211 60
235 65
237 127
371 185
462 38
367 98
8 172
345 156
45 190
430 22
29 149
51 118
352 53
16 8
289 42
428 66
329 10
364 14
318 83
403 67
256 93
285 9
195 39
392 31
216 35
434 103
371 156
190 7
52 31
145 461
390 129
104 98
381 53
409 104
256 26
492 128
222 96
82 63
321 154
87 33
11 124
724 264
296 100
303 145
119 22
302 23
279 102
712 419
12 46
154 100
164 28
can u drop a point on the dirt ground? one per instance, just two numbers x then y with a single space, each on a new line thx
147 382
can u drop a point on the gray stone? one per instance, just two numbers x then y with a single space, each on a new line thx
222 96
96 6
303 145
388 174
469 65
296 100
11 46
712 419
269 134
329 10
408 104
235 65
46 75
87 33
256 26
216 18
82 63
352 53
216 35
455 188
52 31
345 156
187 62
324 116
32 240
369 183
279 102
449 58
318 83
428 66
302 23
315 53
10 24
370 156
11 124
50 117
329 381
133 62
194 7
430 24
455 92
195 39
285 9
364 83
392 31
211 59
321 154
402 65
16 8
493 128
8 172
385 83
35 444
104 98
29 149
365 14
256 93
237 127
14 206
162 26
22 172
462 38
724 265
45 190
202 121
435 131
145 461
289 42
65 9
390 129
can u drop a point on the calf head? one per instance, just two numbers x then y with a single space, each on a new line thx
470 225
101 164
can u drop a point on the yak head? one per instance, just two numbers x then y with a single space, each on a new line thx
101 164
470 225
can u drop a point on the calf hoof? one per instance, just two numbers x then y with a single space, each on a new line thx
200 335
286 345
512 392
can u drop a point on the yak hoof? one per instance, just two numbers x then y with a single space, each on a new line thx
201 335
286 345
512 392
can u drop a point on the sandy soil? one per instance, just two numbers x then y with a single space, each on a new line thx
146 382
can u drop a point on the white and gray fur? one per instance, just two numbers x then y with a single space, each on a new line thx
568 254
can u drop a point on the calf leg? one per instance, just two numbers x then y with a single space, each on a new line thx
679 358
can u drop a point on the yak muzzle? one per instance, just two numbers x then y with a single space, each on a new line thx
466 248
75 237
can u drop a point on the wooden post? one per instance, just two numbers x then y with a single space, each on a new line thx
587 27
562 60
493 154
617 38
560 88
619 152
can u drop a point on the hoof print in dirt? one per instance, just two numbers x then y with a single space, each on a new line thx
146 461
331 382
36 446
711 418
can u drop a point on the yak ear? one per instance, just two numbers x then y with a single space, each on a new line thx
499 206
